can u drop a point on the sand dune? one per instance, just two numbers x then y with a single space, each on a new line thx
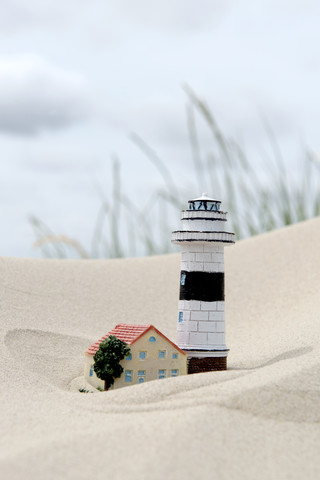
259 419
52 357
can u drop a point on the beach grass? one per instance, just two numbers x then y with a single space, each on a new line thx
259 195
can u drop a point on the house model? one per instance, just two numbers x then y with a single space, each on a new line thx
153 356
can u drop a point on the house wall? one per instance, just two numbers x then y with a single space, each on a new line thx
150 365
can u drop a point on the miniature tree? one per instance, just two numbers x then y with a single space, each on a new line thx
107 360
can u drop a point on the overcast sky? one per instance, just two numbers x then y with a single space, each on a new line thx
77 78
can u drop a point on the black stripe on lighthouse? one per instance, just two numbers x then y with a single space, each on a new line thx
202 286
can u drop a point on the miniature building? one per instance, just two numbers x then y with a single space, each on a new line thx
201 322
153 356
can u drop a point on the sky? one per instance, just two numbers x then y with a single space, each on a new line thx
78 78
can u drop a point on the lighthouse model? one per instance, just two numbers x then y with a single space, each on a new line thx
201 322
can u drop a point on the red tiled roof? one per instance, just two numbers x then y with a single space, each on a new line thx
128 334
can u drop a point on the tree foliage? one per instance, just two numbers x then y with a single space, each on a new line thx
107 360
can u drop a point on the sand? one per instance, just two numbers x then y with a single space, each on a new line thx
257 420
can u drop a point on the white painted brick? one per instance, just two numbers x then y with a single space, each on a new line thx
182 337
186 315
180 327
181 305
211 267
208 306
221 267
219 257
193 305
188 256
198 248
216 339
214 250
196 266
207 327
216 316
220 306
222 338
192 248
184 265
200 315
203 257
220 326
192 326
198 338
187 305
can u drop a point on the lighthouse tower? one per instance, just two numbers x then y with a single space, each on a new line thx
201 322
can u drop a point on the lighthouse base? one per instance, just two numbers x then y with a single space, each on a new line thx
199 362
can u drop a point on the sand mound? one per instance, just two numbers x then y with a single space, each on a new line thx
52 357
294 399
259 419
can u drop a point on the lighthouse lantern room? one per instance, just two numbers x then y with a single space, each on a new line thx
201 319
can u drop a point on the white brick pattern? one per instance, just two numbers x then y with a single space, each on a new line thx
209 259
202 238
203 318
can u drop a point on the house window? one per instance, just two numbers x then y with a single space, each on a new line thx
91 371
142 355
141 375
129 357
152 339
180 317
174 355
183 279
128 376
162 354
174 372
161 374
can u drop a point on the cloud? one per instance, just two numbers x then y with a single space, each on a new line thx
19 14
175 15
172 15
37 96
